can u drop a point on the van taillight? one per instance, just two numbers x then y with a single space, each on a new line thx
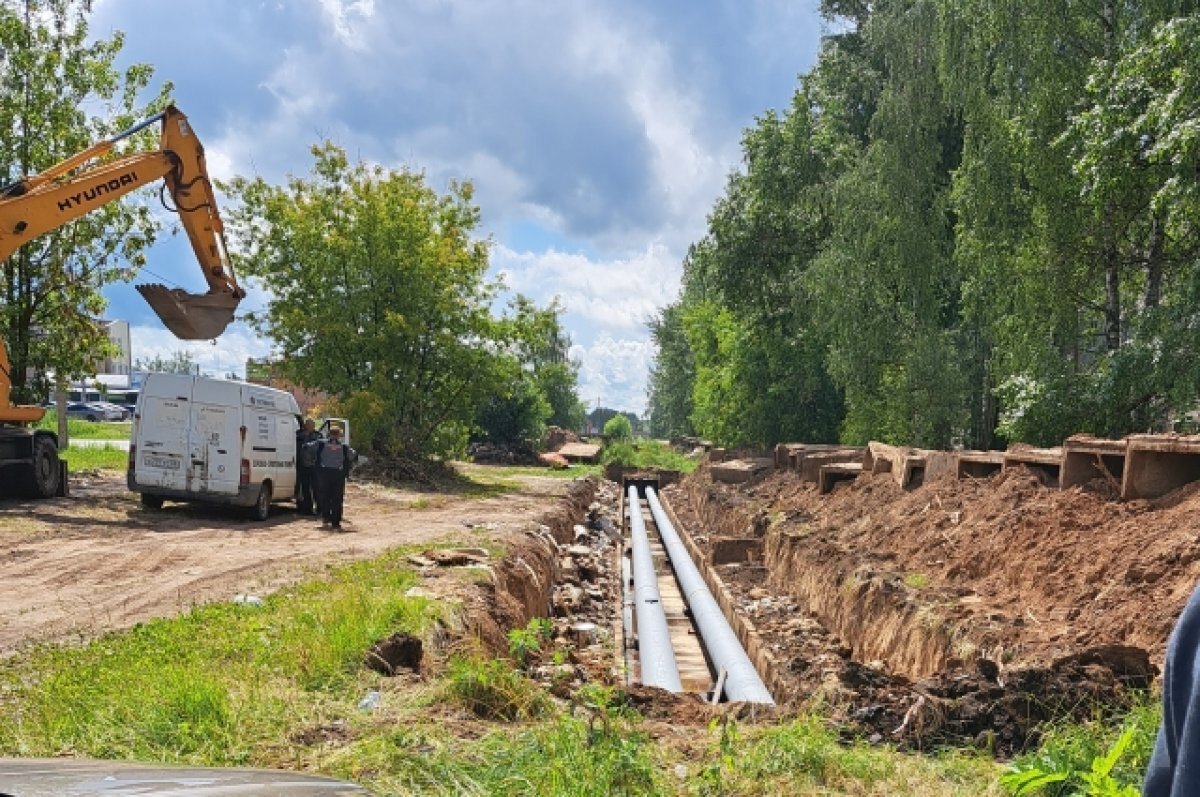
244 474
132 457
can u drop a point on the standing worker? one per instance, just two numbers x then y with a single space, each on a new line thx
334 460
306 467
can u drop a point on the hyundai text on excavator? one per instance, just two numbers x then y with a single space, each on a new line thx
76 186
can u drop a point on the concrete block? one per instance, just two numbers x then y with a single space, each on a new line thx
1087 458
978 464
809 465
836 472
1045 462
1157 464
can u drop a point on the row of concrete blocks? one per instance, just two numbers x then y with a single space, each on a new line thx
1135 467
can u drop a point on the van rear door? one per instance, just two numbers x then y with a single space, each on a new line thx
215 443
162 432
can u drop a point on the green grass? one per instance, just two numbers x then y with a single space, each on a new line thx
646 454
1072 754
95 457
221 685
87 430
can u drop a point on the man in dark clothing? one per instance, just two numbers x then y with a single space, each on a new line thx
306 467
1174 769
334 460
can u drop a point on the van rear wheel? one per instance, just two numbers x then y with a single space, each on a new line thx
262 507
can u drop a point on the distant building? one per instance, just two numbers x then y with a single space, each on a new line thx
121 361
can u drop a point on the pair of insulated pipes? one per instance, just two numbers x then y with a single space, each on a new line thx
655 653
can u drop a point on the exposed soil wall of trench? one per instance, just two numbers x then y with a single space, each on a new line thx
954 613
522 583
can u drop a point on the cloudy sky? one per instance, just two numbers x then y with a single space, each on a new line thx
597 134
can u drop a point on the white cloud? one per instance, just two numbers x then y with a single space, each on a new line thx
610 126
227 354
617 294
613 372
350 19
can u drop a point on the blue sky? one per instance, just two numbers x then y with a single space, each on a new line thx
598 134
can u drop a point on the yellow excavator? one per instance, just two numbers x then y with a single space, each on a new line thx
75 187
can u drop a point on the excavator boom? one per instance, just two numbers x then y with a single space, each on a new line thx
72 188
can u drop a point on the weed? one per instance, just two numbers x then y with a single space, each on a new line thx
525 644
600 756
647 454
1091 759
492 689
916 580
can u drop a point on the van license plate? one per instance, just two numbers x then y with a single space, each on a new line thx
161 462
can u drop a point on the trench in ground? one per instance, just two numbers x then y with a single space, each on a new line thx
854 643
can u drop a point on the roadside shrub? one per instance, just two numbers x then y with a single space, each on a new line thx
646 454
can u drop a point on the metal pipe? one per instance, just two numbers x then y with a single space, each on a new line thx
742 682
655 652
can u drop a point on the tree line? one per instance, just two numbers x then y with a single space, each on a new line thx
377 285
974 224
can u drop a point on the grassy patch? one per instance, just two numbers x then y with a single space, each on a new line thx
646 454
916 580
87 430
491 689
572 472
805 756
95 457
221 685
1074 757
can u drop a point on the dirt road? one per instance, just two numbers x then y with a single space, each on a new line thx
75 567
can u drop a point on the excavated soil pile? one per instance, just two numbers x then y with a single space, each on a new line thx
962 611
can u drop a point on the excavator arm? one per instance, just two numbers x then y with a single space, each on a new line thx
44 202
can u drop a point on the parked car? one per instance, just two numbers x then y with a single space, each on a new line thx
91 412
125 414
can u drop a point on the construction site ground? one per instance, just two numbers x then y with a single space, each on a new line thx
97 560
961 612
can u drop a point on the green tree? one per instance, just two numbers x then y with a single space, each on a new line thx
542 348
179 361
516 416
671 376
60 92
378 296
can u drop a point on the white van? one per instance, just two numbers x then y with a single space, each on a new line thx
212 440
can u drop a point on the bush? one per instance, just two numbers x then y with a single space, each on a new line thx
619 428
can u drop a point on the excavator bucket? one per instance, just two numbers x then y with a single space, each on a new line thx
191 316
